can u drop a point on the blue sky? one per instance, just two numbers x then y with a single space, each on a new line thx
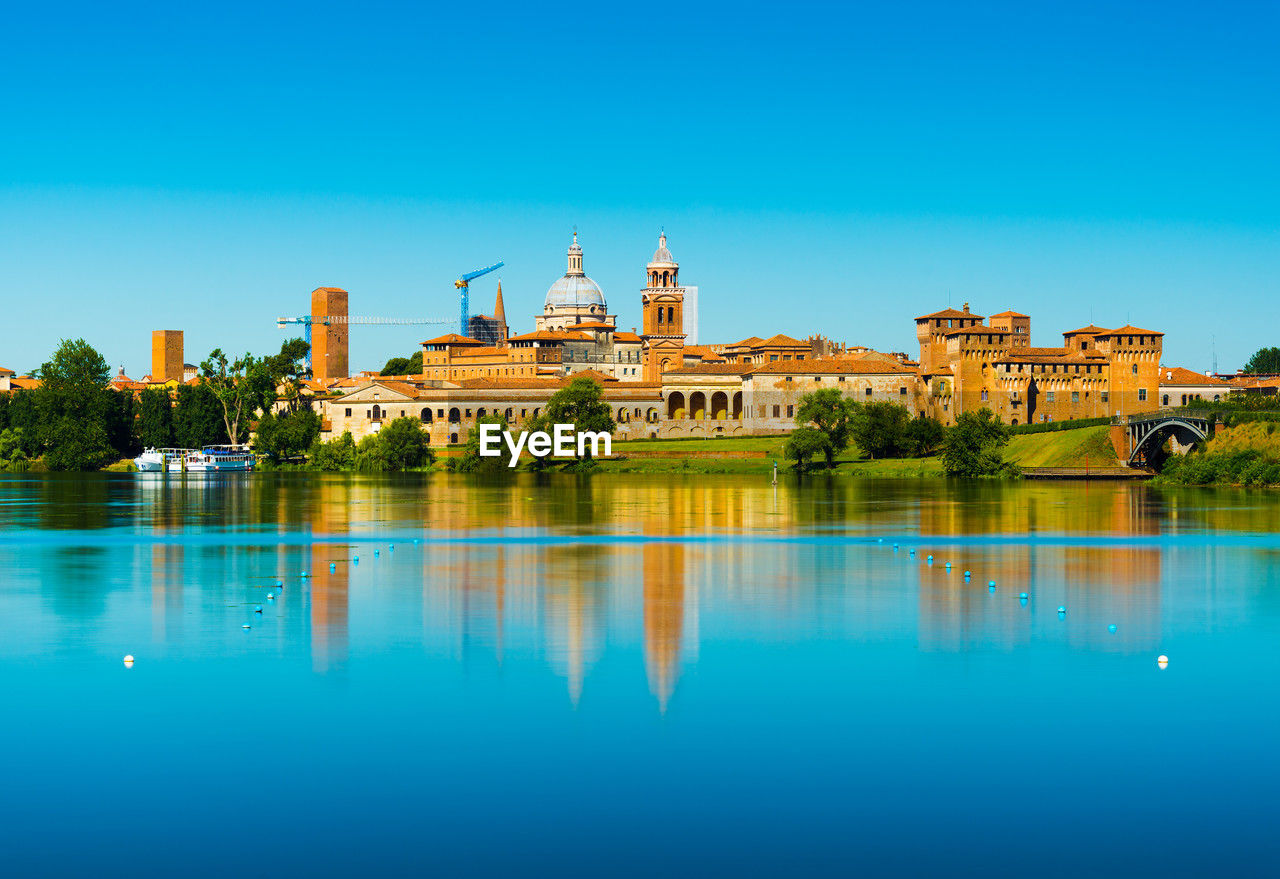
834 168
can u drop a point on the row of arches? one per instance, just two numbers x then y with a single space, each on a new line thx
720 407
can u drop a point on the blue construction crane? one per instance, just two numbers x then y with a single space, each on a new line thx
464 285
307 320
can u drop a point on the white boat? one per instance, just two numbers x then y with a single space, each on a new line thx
218 459
162 460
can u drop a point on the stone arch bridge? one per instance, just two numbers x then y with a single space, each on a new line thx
1146 433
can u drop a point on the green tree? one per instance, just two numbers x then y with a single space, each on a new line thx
24 416
473 462
925 435
1265 361
288 435
404 365
804 444
881 429
974 446
155 418
286 370
336 454
401 445
243 386
75 409
12 456
831 413
580 403
197 418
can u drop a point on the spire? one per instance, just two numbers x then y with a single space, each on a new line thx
575 255
499 313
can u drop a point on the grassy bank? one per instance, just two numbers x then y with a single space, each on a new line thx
1087 446
1248 454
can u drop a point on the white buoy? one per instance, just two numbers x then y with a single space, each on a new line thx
245 626
271 596
1162 661
257 608
128 660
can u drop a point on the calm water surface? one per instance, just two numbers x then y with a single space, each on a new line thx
617 676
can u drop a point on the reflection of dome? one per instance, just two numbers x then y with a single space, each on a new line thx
575 291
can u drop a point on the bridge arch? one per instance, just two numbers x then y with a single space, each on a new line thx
1148 437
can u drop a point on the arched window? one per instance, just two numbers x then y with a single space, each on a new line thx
426 415
671 314
376 412
454 417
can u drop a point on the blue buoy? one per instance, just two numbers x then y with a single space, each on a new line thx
333 566
1112 628
279 584
1062 611
966 575
355 560
257 608
1021 595
991 582
880 540
304 573
948 566
376 553
415 540
391 548
911 552
991 589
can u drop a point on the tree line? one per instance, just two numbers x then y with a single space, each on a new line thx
828 423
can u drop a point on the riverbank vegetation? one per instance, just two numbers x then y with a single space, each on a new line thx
1245 454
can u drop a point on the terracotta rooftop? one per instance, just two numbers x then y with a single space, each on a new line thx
550 336
948 313
717 369
1176 375
593 325
782 340
749 342
4 371
831 367
453 339
1090 330
1130 330
1011 314
626 337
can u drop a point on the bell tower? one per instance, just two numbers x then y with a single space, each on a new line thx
662 305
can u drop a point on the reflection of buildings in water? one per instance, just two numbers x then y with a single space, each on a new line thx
574 612
664 611
1100 584
166 592
328 593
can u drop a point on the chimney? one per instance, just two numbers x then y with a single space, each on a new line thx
966 308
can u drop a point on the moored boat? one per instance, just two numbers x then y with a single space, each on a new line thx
220 459
161 460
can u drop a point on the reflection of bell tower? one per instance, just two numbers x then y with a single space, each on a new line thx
662 305
663 617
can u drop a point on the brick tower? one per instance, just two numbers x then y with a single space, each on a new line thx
662 305
166 356
328 341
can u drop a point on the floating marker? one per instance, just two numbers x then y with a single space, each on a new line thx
245 626
948 566
966 575
128 660
1162 661
911 552
355 560
279 584
333 566
304 574
258 608
1112 628
1062 611
376 553
1021 595
993 582
880 540
271 596
391 548
415 540
991 589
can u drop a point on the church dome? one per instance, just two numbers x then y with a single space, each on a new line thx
662 256
575 289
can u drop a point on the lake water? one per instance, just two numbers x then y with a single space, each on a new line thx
635 676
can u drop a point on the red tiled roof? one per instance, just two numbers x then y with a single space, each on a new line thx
947 313
1011 314
831 367
782 340
717 369
1090 330
1130 330
550 336
1176 375
4 371
453 339
626 337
